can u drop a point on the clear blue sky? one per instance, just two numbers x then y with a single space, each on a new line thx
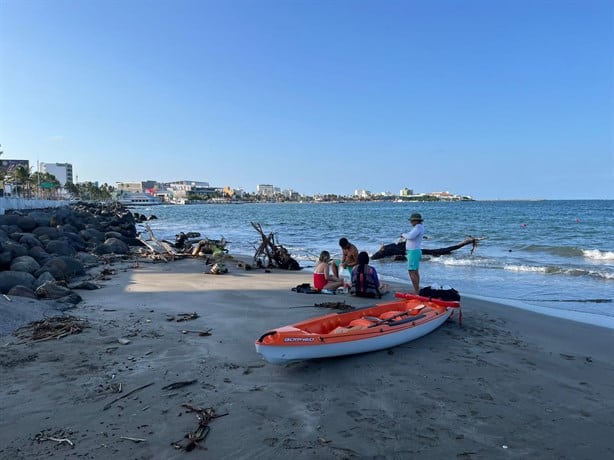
491 98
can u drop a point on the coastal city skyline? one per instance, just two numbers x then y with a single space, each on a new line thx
492 100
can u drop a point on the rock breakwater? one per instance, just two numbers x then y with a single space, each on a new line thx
44 252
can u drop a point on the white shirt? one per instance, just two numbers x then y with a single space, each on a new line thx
413 239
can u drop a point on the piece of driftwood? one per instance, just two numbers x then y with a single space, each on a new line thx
108 405
397 250
43 437
158 248
176 385
270 254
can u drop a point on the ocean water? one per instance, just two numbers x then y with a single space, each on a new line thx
556 257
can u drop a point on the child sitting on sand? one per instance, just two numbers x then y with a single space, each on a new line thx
365 282
322 279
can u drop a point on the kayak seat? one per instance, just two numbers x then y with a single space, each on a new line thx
389 314
360 322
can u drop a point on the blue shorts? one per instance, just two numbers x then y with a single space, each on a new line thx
413 258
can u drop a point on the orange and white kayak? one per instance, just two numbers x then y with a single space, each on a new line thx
369 329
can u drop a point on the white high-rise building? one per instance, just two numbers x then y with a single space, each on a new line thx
61 171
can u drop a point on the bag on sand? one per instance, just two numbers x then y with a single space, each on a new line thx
449 294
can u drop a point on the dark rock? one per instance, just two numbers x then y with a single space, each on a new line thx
51 233
112 246
22 291
85 285
38 253
88 260
42 218
62 268
29 241
16 250
61 248
75 241
26 223
91 234
42 279
5 260
25 264
113 235
9 279
51 290
9 219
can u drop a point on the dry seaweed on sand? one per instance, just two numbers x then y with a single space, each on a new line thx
51 328
192 440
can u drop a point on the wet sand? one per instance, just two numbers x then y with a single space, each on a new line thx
508 384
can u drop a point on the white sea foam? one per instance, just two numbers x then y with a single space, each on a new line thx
525 268
596 254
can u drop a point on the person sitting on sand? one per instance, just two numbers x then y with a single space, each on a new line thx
322 280
349 257
365 282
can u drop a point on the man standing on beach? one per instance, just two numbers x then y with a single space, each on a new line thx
348 259
413 246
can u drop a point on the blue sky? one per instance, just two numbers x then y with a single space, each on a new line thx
494 99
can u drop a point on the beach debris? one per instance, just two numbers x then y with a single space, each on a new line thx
270 254
182 317
123 341
40 437
51 328
135 440
218 269
334 305
397 250
200 333
109 404
7 297
193 439
176 385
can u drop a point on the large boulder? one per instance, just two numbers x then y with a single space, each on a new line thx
25 264
92 234
112 246
16 250
22 291
42 218
51 290
5 260
62 268
42 279
51 233
38 253
88 260
75 241
61 248
29 241
10 279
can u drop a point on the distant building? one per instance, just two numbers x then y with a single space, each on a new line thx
265 190
61 171
406 192
362 194
132 187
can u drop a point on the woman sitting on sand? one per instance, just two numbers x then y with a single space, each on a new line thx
322 279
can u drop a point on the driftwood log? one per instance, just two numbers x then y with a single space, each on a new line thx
397 250
270 254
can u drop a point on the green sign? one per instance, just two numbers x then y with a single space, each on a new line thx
47 185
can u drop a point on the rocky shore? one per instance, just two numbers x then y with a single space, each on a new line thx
50 253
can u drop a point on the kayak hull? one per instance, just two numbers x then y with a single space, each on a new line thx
374 328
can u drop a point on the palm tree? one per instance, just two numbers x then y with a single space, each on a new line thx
22 177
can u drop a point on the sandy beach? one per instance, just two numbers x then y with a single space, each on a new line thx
507 384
